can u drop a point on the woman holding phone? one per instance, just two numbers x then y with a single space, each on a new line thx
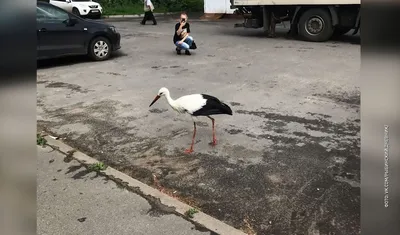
182 39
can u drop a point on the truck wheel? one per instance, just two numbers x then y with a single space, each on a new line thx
315 25
100 49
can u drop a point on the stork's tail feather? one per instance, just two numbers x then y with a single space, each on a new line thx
226 109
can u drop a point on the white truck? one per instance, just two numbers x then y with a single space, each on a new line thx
312 20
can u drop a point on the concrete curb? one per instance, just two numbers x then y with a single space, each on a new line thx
137 15
200 218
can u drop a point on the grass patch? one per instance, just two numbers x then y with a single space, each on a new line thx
131 9
40 140
190 213
248 228
99 166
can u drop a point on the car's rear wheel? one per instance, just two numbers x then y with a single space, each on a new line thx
75 11
100 49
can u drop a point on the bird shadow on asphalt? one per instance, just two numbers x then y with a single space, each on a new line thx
71 60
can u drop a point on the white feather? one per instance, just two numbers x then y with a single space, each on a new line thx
185 104
191 103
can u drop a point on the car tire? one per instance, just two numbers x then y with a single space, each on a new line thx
315 25
100 49
76 12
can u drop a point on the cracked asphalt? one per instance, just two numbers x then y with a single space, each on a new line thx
287 161
73 200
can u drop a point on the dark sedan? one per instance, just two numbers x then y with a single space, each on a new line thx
60 33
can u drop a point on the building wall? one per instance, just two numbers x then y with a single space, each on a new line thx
218 6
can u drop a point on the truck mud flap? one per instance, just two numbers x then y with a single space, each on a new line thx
355 31
358 23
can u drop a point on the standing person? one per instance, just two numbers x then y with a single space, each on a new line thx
276 15
148 12
181 39
272 23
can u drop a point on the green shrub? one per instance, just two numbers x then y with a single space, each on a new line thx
182 5
136 6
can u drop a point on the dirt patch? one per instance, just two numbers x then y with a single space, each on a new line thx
351 99
234 131
235 104
72 87
348 128
320 115
76 128
158 110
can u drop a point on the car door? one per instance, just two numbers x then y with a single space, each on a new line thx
55 36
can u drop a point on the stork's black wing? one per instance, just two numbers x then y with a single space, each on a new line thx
213 106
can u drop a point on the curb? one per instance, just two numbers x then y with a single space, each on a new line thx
137 15
179 207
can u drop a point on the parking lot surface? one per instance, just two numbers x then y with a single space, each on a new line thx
287 161
72 200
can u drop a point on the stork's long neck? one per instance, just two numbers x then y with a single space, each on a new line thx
171 101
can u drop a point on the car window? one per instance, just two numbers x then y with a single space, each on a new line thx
50 14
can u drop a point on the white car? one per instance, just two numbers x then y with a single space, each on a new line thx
82 8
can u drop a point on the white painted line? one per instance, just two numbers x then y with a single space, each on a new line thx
201 218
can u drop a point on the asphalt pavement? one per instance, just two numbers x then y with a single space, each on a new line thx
287 161
71 200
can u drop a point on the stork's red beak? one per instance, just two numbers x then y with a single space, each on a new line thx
155 99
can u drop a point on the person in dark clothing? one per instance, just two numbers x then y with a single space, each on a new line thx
276 15
272 26
148 12
181 39
272 22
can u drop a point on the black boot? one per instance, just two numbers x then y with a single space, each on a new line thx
178 51
187 52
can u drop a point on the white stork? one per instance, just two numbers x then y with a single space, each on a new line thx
196 105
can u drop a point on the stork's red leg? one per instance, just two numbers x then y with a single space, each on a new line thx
190 150
214 141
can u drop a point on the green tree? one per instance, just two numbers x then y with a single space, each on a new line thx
168 5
